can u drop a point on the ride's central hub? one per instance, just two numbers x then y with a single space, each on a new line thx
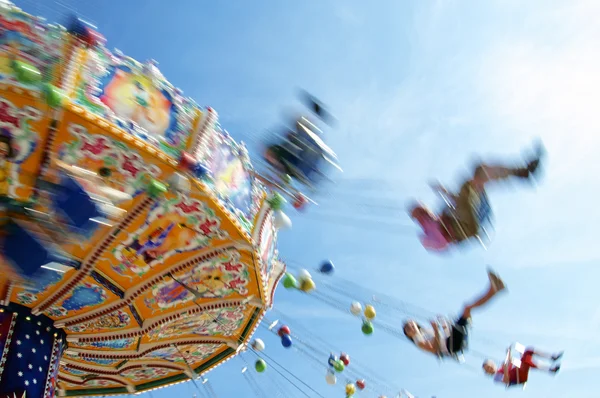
30 351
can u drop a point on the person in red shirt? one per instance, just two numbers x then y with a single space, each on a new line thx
460 219
512 375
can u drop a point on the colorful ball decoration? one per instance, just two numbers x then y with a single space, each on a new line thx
300 202
190 164
304 275
356 308
26 73
370 312
53 95
361 384
84 32
276 201
258 345
330 378
281 220
284 331
338 366
332 360
327 267
199 170
367 328
156 188
345 358
260 365
180 183
289 281
286 341
350 389
187 161
307 285
306 282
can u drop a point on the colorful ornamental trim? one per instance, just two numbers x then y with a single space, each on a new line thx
7 343
117 372
53 370
170 318
138 355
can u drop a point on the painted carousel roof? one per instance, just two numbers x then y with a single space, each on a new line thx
175 285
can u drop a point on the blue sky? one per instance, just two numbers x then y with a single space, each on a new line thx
418 88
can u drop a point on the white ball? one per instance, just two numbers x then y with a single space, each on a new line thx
304 275
258 345
356 308
180 183
281 220
331 379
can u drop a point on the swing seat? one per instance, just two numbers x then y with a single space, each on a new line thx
303 154
26 252
445 331
76 207
483 212
516 363
483 215
520 348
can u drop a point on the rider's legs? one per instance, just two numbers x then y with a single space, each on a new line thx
528 363
459 334
467 222
496 286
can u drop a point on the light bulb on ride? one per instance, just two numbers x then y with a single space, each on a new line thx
284 330
345 358
299 202
180 183
332 360
307 286
304 275
327 267
356 308
370 312
260 365
258 345
289 282
350 389
338 366
281 220
286 341
330 378
367 328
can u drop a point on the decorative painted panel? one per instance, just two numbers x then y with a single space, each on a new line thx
137 98
225 276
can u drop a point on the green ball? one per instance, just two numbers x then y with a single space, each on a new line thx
289 282
277 201
338 366
260 366
156 188
54 95
367 328
26 73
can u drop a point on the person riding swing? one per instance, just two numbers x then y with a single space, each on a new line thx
515 372
463 217
454 341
